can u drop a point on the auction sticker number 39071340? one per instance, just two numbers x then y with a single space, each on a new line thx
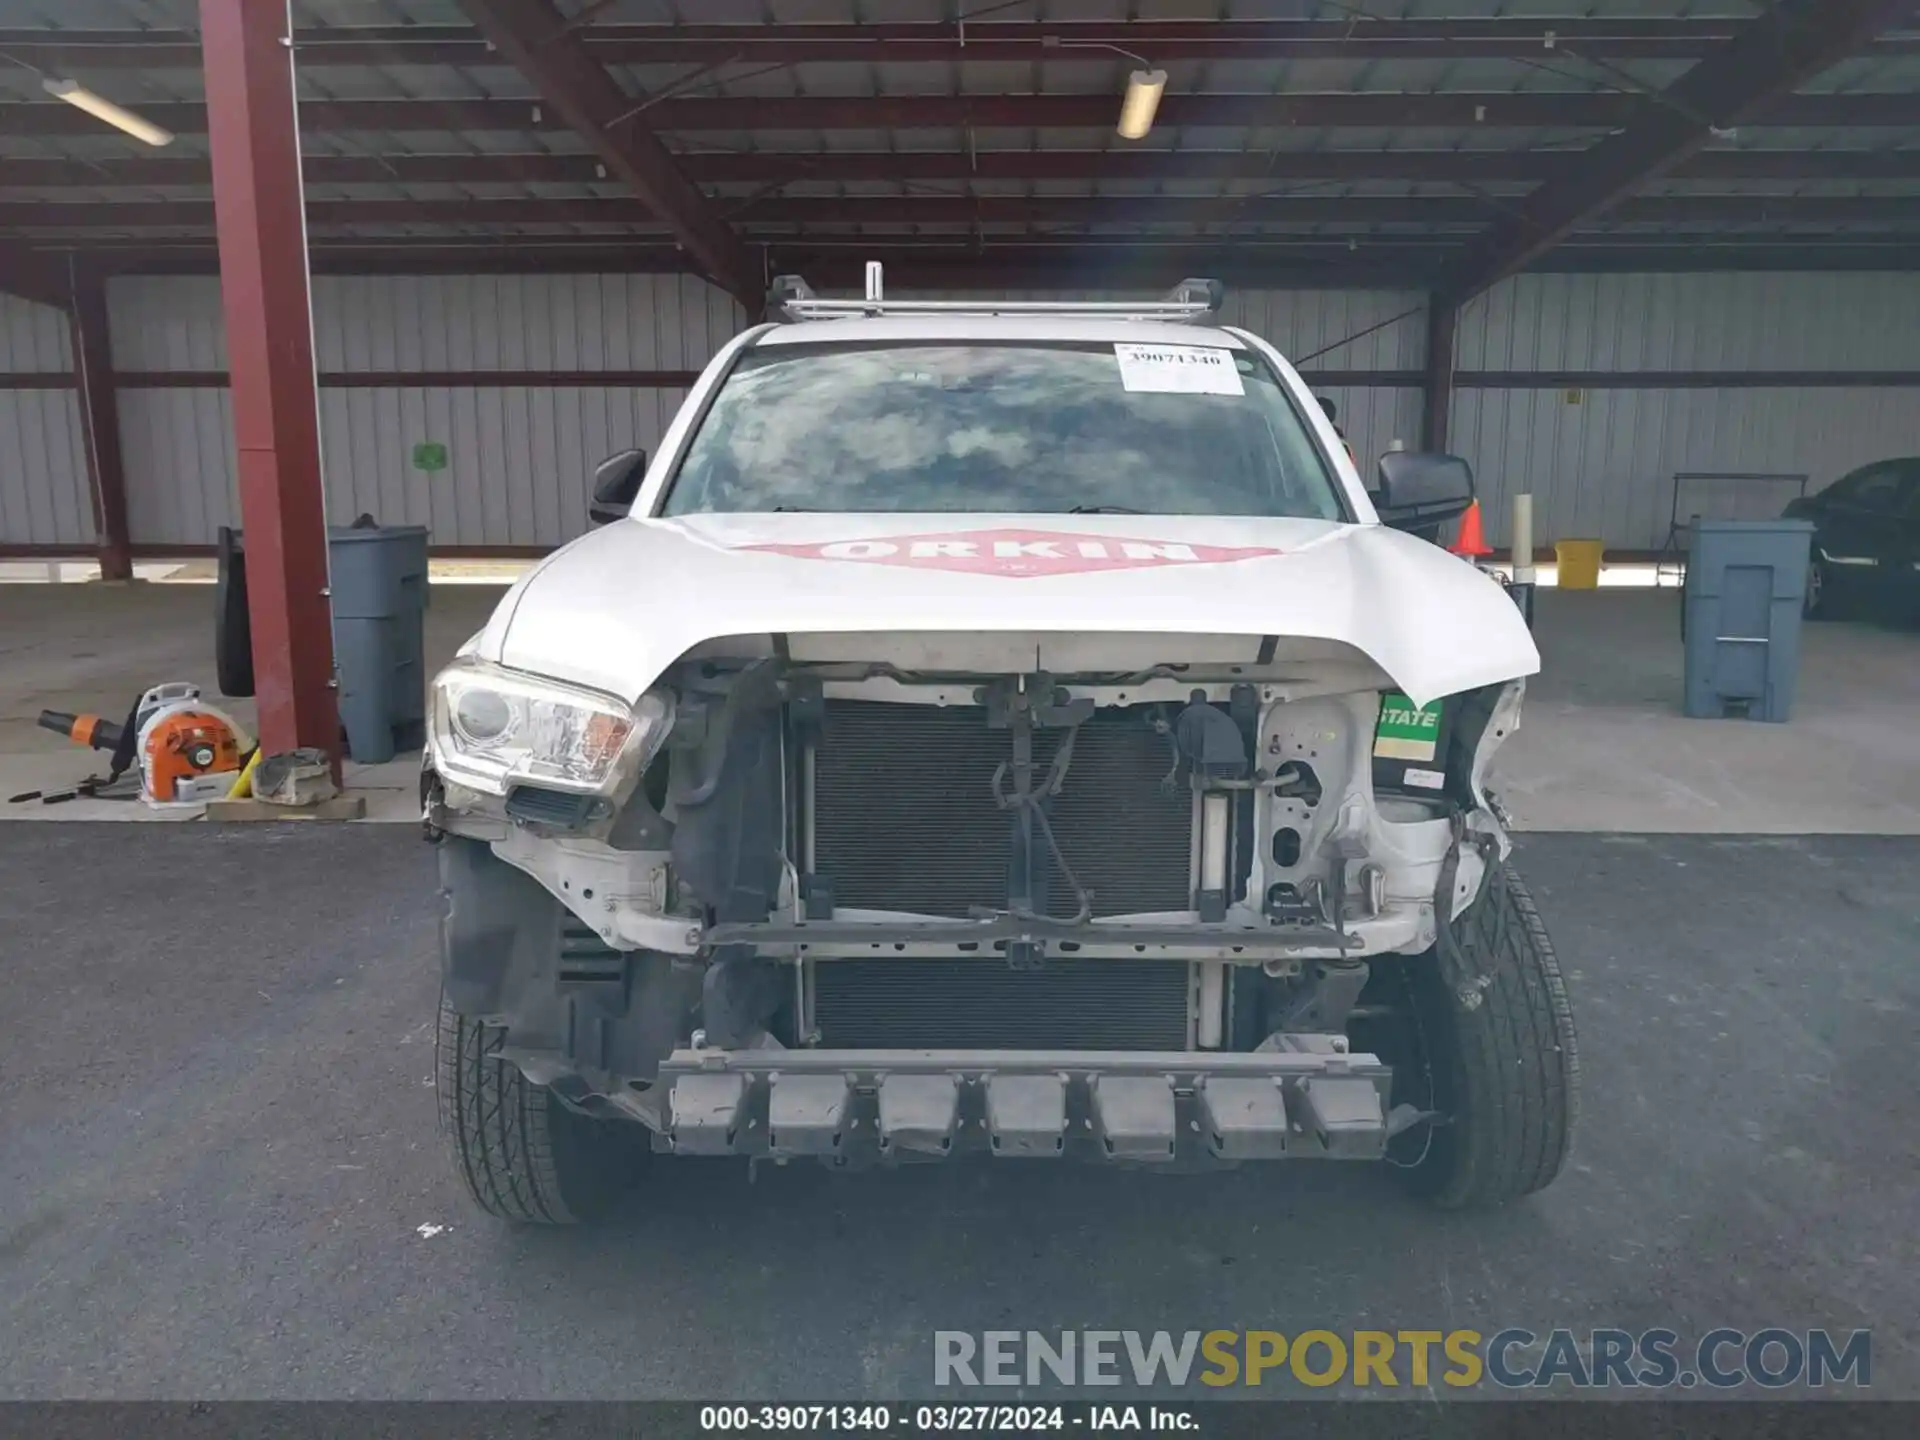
1178 370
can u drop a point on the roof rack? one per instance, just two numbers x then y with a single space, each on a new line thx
791 299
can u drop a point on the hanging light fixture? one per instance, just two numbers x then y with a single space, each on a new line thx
1144 88
101 108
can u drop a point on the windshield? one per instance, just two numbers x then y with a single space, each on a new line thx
1153 430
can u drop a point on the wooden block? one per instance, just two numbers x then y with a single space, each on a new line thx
340 807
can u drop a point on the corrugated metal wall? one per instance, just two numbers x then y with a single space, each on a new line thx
1313 328
1600 459
1604 467
518 456
1694 322
43 467
440 323
1599 456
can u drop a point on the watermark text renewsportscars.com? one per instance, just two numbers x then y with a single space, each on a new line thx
1510 1359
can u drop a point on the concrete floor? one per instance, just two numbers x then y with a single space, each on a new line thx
1602 745
217 1154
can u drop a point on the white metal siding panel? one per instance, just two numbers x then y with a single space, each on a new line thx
520 322
455 322
166 322
43 464
519 458
1605 466
43 470
178 448
1299 323
1694 322
33 338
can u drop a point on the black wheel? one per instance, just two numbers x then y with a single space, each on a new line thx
1482 1039
521 1153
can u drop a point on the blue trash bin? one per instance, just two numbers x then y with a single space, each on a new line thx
1746 583
379 581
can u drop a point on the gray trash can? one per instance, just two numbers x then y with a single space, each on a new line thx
1746 581
379 578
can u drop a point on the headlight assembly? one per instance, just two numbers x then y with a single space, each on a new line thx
491 728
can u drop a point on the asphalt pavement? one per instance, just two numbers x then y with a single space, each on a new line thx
220 1178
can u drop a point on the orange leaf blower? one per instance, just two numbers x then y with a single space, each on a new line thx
187 750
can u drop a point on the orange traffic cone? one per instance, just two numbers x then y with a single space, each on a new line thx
1472 540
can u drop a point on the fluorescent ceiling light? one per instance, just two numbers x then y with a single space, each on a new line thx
1143 98
101 108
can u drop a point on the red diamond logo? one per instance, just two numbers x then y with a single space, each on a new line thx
1017 553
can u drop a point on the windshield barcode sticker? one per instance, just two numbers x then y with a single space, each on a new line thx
1178 370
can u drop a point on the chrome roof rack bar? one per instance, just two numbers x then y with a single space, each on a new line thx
790 298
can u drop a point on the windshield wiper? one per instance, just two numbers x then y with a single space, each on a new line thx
794 510
1105 510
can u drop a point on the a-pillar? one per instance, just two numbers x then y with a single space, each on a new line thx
255 147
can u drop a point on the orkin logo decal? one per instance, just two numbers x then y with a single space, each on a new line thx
1017 553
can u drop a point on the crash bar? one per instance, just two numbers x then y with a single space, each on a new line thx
790 298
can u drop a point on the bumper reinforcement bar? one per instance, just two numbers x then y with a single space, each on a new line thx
1048 936
1142 1107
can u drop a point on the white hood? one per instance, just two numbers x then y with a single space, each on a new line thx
618 606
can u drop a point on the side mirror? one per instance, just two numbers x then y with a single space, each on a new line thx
615 482
1419 493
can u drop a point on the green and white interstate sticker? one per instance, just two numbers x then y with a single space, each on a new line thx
1406 731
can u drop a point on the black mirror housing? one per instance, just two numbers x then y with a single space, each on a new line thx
616 480
1419 492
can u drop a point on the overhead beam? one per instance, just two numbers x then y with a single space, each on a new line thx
533 36
1748 76
712 167
68 218
1272 261
1054 42
1597 110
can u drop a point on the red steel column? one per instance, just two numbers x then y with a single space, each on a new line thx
257 204
100 418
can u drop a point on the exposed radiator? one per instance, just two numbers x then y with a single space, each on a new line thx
905 816
978 1002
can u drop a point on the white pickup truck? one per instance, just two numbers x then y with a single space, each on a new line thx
998 728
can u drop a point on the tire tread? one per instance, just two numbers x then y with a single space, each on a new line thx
1518 1064
499 1126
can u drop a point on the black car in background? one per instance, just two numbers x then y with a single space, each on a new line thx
1866 542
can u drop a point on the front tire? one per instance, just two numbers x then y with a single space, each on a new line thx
521 1154
1493 1053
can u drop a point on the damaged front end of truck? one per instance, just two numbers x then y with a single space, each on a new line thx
867 897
